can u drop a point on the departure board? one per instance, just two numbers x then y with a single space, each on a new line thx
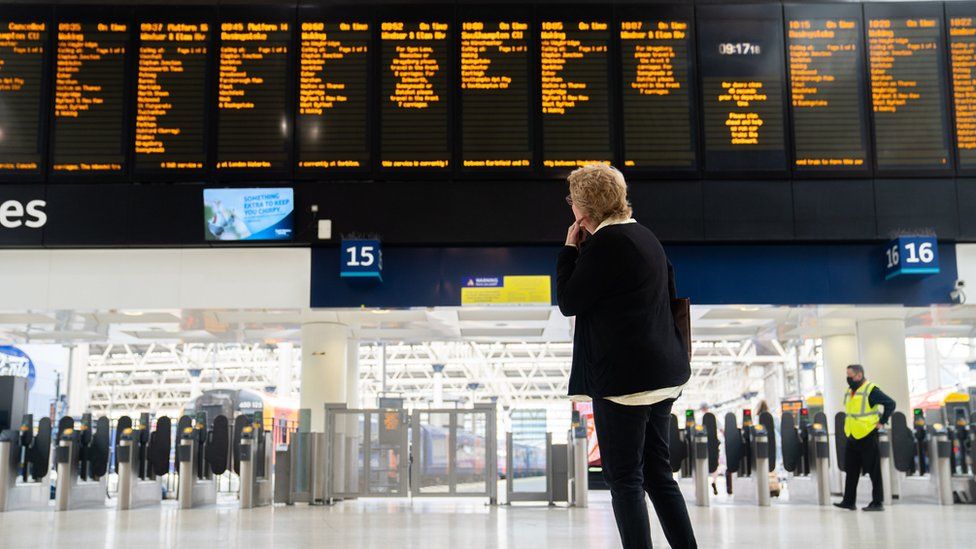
495 109
89 107
22 52
827 89
253 125
659 130
333 96
962 55
908 93
575 95
414 113
171 97
741 52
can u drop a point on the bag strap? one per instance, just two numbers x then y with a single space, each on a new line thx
672 289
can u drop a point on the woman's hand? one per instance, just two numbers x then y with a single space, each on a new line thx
574 236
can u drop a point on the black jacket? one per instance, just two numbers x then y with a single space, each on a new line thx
617 286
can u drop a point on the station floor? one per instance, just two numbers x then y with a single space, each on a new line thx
461 524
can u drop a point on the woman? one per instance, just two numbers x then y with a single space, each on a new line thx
628 356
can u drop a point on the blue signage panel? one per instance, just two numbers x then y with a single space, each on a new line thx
248 214
361 259
911 255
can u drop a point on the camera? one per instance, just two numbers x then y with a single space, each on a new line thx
958 293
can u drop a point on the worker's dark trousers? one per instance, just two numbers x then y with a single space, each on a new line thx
863 456
634 451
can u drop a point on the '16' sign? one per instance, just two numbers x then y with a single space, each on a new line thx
911 255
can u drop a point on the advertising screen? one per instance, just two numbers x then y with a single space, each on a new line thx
248 214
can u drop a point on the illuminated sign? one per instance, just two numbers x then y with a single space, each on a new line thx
911 255
332 95
414 113
88 97
22 53
171 96
575 97
495 94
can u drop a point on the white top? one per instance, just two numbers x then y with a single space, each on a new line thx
644 398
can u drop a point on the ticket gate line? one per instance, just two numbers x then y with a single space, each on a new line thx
25 459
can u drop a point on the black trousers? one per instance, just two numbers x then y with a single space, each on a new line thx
634 451
863 456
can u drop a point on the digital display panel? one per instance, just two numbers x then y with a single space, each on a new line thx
575 95
333 96
253 122
741 52
658 106
908 87
171 96
248 214
23 45
89 105
414 95
962 56
495 109
827 88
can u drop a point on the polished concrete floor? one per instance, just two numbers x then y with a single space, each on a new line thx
461 524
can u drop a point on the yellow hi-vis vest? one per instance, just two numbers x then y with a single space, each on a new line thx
861 416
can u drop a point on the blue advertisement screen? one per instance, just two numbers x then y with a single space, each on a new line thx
248 214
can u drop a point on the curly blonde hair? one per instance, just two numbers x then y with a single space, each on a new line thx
600 191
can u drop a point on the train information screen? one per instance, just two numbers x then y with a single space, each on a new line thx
333 95
575 95
741 52
253 125
89 106
22 52
414 94
908 92
659 131
171 97
827 91
962 55
495 109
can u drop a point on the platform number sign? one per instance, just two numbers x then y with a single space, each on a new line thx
361 259
911 255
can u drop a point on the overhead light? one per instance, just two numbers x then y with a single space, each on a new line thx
380 311
132 313
750 309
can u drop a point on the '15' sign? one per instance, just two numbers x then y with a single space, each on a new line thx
911 255
361 259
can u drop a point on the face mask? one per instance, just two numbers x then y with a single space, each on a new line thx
853 384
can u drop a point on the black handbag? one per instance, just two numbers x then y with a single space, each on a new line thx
680 312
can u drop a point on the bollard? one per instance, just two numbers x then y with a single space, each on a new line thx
822 463
65 470
700 457
247 468
187 477
5 471
942 471
762 466
124 459
884 449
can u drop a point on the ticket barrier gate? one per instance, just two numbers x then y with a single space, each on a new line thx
25 465
962 458
252 462
751 454
694 453
922 456
141 458
295 470
579 467
201 455
806 456
82 463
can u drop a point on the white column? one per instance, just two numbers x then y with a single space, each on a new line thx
881 345
352 375
839 351
285 374
438 385
323 368
773 387
933 364
77 389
